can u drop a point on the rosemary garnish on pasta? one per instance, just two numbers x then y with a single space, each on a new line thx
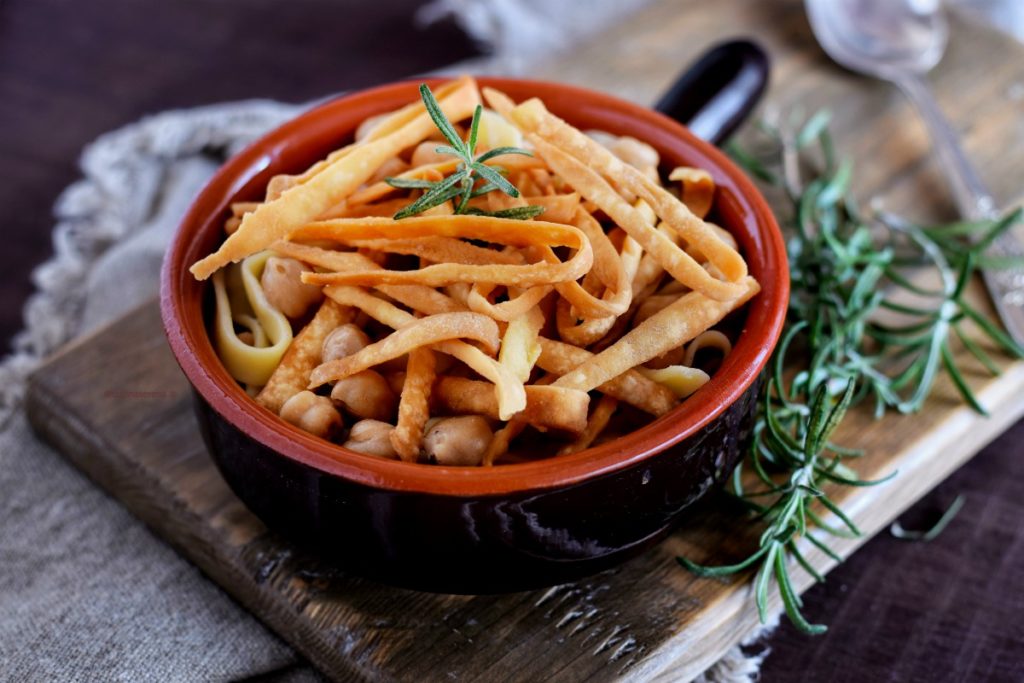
862 327
462 184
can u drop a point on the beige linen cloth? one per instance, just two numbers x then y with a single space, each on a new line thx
87 593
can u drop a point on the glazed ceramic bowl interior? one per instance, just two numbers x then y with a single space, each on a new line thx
308 138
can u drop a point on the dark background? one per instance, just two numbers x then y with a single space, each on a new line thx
949 610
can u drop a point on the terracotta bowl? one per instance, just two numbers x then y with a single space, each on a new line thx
510 527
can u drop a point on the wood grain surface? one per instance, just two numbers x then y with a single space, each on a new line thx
120 409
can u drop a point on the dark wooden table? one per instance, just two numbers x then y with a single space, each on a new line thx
949 610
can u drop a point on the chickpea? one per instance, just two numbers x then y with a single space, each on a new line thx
461 440
343 341
396 380
372 438
285 290
247 337
635 153
394 365
312 413
391 167
603 138
425 154
365 394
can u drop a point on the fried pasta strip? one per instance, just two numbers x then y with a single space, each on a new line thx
596 423
422 332
417 297
441 250
508 389
547 407
502 440
629 387
507 311
614 271
414 405
533 117
503 437
498 230
292 374
698 189
667 329
519 346
591 185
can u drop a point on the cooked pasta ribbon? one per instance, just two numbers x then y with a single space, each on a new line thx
246 363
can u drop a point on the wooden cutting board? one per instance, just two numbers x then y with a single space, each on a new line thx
117 405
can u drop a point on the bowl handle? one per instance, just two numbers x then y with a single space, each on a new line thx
717 92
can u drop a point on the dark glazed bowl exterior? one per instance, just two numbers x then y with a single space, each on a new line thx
510 527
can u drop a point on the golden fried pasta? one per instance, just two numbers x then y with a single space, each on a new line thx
547 407
414 405
698 189
629 387
472 307
669 328
518 233
422 332
596 423
292 374
534 117
510 392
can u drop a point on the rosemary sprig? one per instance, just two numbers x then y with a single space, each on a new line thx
837 350
462 184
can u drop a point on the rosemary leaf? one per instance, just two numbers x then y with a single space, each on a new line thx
448 149
409 183
441 192
813 129
495 178
959 381
474 130
440 120
501 151
519 213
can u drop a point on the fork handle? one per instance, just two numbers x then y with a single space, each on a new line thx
969 192
1005 285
